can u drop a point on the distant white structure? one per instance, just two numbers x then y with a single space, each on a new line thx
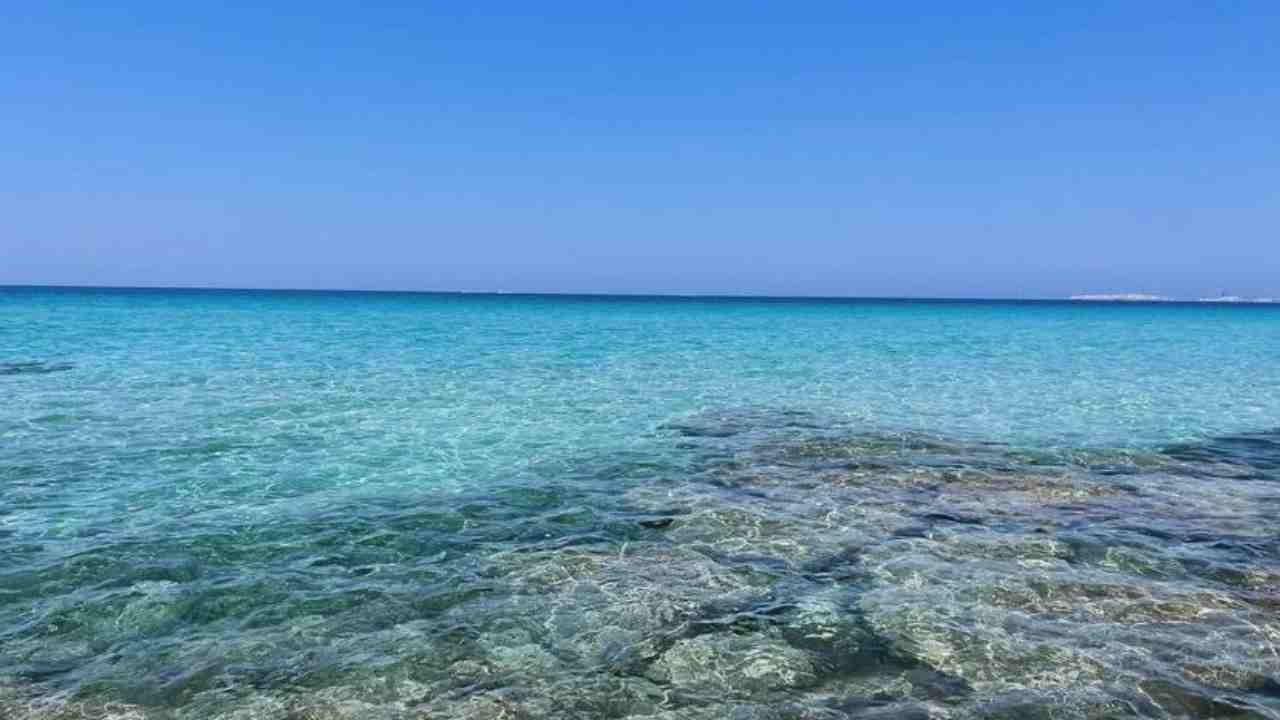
1122 297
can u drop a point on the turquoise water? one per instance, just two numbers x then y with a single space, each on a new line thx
288 504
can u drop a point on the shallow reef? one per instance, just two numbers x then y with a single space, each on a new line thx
758 565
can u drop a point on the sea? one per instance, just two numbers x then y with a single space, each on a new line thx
312 505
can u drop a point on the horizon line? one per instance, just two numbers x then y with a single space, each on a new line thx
709 295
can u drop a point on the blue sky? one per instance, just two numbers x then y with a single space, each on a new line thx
785 148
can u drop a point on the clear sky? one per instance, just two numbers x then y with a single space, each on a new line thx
845 148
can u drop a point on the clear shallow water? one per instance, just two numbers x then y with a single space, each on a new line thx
234 504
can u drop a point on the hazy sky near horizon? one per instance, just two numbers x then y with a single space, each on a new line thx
830 148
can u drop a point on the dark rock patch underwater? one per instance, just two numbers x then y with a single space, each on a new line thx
33 367
779 566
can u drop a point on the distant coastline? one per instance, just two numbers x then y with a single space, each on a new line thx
1122 297
1236 299
1149 297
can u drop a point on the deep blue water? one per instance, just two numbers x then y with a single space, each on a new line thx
301 504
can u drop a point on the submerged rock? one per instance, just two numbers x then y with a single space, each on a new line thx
726 663
33 367
1055 704
1184 700
831 628
788 575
